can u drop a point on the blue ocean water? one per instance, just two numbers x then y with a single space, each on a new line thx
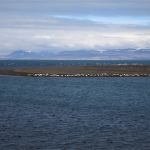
16 64
73 113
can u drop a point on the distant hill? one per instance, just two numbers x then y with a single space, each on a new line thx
113 54
21 54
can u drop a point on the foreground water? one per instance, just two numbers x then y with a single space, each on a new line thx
74 113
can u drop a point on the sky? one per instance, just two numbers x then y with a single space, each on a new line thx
68 25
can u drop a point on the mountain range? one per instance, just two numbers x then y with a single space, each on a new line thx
113 54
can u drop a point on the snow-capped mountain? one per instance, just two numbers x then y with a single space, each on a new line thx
22 54
113 54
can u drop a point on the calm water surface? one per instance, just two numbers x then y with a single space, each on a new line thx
74 113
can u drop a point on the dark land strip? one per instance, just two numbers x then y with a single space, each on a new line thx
83 71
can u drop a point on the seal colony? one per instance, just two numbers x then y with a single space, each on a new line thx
83 71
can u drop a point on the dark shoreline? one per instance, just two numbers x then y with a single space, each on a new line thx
83 71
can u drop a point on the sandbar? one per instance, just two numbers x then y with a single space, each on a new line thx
82 71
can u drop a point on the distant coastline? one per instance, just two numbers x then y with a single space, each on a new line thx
83 71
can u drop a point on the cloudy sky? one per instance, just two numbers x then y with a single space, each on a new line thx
59 25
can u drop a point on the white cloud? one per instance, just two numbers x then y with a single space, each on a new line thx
42 37
74 38
73 25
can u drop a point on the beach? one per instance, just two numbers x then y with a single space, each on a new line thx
83 71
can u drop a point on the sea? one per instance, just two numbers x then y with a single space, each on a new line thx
74 113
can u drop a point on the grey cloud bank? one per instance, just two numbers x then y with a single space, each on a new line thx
73 25
75 7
